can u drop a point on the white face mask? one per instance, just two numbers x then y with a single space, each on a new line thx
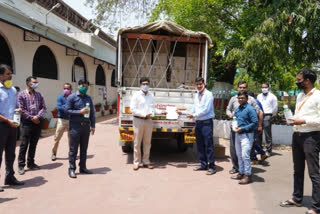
265 90
144 88
34 85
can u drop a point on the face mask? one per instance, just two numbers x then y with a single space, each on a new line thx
300 85
7 83
144 88
34 85
265 90
83 90
67 91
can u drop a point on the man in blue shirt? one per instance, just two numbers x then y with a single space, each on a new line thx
247 120
8 127
63 119
81 122
203 113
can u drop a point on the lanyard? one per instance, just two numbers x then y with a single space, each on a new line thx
305 99
30 96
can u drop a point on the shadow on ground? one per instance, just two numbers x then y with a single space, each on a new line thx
2 200
165 153
32 182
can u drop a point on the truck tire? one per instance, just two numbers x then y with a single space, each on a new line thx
127 148
182 147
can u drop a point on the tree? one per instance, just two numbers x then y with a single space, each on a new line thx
111 13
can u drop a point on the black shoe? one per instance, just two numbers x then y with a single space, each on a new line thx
1 189
13 181
33 166
85 171
72 173
199 168
211 171
20 170
233 171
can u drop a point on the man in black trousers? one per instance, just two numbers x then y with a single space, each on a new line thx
7 126
81 122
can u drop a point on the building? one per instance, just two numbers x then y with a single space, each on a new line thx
50 40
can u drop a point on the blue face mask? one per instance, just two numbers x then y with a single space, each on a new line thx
144 88
34 85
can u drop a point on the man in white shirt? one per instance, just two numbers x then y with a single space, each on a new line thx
306 141
269 104
141 108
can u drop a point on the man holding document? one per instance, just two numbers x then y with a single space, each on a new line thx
203 113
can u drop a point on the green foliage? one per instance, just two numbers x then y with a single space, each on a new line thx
271 40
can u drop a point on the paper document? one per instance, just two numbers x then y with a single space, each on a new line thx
171 113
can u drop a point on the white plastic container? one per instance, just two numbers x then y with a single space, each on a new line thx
287 113
234 124
87 107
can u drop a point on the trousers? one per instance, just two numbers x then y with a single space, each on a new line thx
204 140
305 149
30 136
79 136
142 130
8 144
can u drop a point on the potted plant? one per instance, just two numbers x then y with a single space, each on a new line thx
97 107
114 105
45 123
55 112
106 106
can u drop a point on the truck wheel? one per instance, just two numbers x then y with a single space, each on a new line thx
127 148
182 147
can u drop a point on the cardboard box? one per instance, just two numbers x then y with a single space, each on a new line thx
178 75
131 82
136 44
192 50
165 46
160 59
178 62
192 63
130 71
142 59
191 75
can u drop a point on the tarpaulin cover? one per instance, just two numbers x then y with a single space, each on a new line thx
170 27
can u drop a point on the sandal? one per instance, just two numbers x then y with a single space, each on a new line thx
289 203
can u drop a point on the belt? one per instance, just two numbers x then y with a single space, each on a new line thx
203 121
84 123
142 118
300 134
267 114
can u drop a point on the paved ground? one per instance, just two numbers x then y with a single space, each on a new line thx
172 187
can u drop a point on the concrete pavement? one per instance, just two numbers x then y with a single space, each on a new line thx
172 187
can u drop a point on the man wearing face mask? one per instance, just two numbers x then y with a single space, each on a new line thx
33 108
81 123
305 141
7 126
142 124
270 106
232 106
63 119
203 113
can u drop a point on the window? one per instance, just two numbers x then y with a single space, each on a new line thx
5 54
44 64
78 70
100 76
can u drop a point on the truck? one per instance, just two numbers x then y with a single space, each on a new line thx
171 57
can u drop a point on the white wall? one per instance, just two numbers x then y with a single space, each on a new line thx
22 56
